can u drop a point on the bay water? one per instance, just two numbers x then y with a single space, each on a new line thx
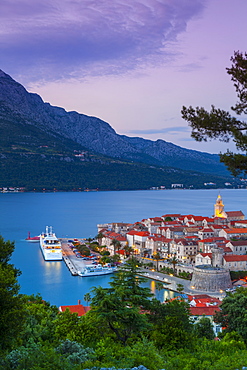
76 215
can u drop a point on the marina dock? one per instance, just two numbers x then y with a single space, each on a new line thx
73 263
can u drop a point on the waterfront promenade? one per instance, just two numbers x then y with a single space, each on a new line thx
75 264
170 283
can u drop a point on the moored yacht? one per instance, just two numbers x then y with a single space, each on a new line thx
50 245
96 270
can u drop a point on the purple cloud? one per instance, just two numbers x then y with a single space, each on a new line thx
173 130
61 37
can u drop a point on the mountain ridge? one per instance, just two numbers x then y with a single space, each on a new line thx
28 115
99 136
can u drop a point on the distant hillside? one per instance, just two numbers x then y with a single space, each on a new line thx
42 146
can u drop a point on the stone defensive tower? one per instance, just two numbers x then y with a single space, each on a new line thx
212 278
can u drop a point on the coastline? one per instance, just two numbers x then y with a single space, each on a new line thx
170 283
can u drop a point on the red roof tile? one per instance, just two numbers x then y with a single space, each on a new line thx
78 308
235 214
236 230
207 311
139 233
235 258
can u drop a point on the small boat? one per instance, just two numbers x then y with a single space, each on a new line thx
50 246
32 239
96 270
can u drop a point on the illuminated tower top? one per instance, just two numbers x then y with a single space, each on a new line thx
219 208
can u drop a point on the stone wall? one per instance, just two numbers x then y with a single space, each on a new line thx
208 278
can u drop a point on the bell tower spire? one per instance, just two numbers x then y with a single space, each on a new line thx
219 208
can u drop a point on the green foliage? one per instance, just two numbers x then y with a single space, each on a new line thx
84 250
220 124
167 270
116 245
105 253
145 353
172 326
233 314
39 326
174 262
236 275
35 357
180 287
75 353
204 328
157 257
66 326
118 307
63 171
12 313
185 275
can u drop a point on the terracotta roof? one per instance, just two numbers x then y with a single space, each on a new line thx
234 214
243 222
213 240
238 243
139 233
226 249
206 254
172 223
200 296
242 230
177 228
78 308
219 227
207 311
156 219
209 219
112 235
159 238
171 215
198 218
191 228
235 258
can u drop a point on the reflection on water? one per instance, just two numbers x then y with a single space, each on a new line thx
161 294
52 272
76 215
153 287
168 294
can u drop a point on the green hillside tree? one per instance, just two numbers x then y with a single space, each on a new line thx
221 124
11 302
233 313
118 307
204 328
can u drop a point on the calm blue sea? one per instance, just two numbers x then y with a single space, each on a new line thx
76 215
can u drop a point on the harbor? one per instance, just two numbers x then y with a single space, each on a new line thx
73 263
169 282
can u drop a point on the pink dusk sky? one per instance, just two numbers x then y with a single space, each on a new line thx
132 63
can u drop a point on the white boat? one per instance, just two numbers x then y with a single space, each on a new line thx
50 245
96 270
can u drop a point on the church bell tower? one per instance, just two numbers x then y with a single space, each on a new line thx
219 208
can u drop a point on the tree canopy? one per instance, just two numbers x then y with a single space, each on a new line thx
233 314
221 124
11 302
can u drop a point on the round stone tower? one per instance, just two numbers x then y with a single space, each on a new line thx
212 278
